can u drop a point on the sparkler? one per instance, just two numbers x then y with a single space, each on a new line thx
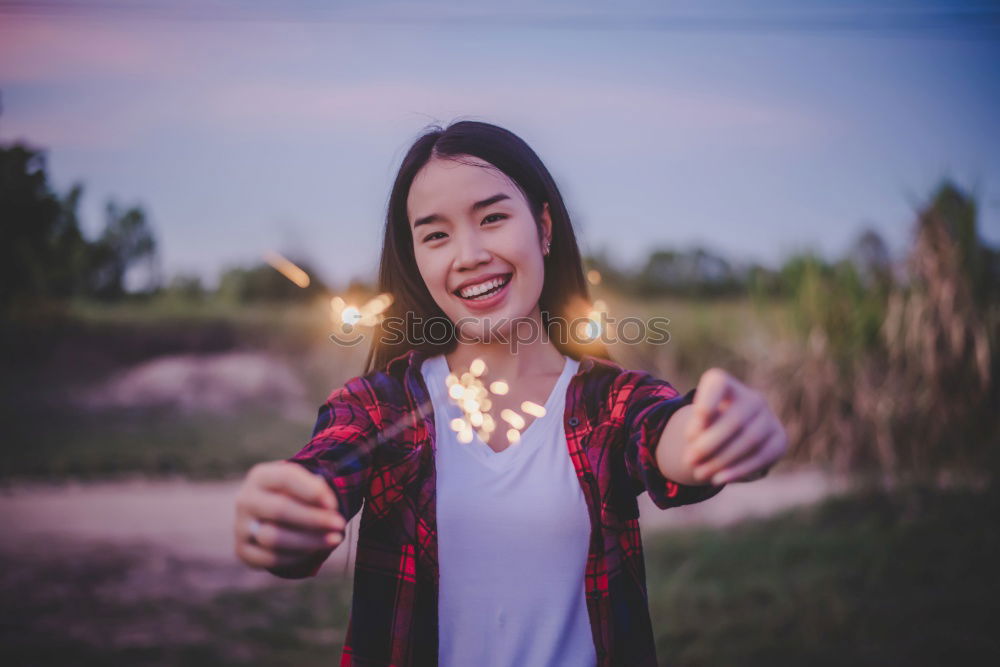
470 392
343 313
369 314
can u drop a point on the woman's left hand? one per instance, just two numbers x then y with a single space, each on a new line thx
733 435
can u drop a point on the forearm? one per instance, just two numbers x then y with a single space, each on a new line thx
670 449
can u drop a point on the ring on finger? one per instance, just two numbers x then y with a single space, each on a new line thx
253 529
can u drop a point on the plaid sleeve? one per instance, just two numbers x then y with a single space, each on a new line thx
341 445
340 452
651 403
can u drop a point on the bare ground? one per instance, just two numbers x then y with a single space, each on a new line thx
173 521
75 555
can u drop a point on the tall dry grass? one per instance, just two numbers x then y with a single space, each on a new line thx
920 401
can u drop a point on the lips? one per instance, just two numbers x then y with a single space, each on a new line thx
486 295
483 289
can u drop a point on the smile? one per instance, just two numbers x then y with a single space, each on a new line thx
484 290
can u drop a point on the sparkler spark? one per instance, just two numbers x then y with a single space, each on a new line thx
591 328
286 268
350 315
469 391
533 409
512 418
367 315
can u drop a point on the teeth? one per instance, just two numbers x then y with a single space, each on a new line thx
482 288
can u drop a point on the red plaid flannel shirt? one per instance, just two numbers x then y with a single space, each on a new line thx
374 441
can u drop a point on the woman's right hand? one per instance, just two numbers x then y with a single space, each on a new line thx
297 514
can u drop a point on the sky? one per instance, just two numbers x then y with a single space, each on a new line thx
255 126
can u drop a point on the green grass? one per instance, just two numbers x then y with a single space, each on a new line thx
151 442
61 611
290 325
860 580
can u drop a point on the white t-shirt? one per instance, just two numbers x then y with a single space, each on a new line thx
513 536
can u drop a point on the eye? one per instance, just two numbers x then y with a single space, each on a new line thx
434 236
501 216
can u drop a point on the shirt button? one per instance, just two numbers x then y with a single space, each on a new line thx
573 421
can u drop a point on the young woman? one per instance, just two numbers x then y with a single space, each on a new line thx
500 548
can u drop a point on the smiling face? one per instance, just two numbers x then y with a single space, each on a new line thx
476 244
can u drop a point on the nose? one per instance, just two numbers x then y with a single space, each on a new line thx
472 253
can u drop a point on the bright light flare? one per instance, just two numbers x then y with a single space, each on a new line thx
286 268
590 330
372 311
594 277
350 315
533 409
512 418
367 315
471 393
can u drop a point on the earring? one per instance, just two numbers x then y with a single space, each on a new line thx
548 247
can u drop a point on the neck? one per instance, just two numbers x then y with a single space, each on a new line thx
511 359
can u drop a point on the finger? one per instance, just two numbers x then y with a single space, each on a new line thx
753 465
716 389
290 512
744 443
696 424
295 480
714 438
275 537
699 422
713 386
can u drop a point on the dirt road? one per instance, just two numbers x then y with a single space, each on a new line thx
193 520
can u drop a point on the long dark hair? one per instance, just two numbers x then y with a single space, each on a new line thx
564 291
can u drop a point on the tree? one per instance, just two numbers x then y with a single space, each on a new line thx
695 272
871 257
126 240
42 252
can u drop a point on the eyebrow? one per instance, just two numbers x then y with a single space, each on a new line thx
489 201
